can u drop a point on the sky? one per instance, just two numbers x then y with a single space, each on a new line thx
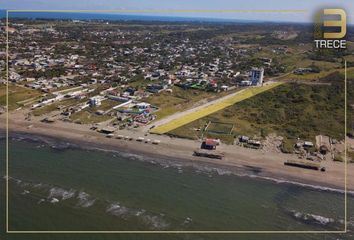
310 6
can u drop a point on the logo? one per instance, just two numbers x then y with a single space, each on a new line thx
330 28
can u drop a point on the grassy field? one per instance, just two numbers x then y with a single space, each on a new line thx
291 110
85 117
240 96
179 100
220 128
89 115
105 105
55 106
16 95
317 76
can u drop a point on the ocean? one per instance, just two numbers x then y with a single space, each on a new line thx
107 16
56 186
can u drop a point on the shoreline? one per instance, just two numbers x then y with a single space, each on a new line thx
239 161
174 162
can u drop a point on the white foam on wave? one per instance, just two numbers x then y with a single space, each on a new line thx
17 181
166 164
350 222
58 192
24 184
85 200
155 222
25 192
54 200
316 187
151 220
187 221
115 153
220 171
117 210
216 170
140 212
38 185
309 217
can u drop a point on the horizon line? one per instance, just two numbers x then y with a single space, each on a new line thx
201 18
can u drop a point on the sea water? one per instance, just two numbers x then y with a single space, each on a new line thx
60 187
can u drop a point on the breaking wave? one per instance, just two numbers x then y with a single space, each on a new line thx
57 192
84 200
151 220
117 210
168 163
155 222
310 218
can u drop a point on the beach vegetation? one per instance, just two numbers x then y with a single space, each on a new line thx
200 113
291 110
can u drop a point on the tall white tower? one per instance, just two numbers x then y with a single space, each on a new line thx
257 76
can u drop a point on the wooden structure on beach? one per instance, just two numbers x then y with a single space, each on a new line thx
305 164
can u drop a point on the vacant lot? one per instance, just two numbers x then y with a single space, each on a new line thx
219 128
179 100
86 117
17 94
55 106
291 110
212 108
318 76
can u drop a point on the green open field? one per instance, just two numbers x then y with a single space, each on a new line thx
290 110
317 76
85 117
219 128
240 96
179 100
17 94
89 115
55 106
105 105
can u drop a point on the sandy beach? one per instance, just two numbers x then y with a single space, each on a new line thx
237 159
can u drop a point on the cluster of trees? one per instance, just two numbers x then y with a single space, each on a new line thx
49 73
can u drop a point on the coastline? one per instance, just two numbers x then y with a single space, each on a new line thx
238 160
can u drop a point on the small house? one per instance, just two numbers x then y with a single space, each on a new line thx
210 144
